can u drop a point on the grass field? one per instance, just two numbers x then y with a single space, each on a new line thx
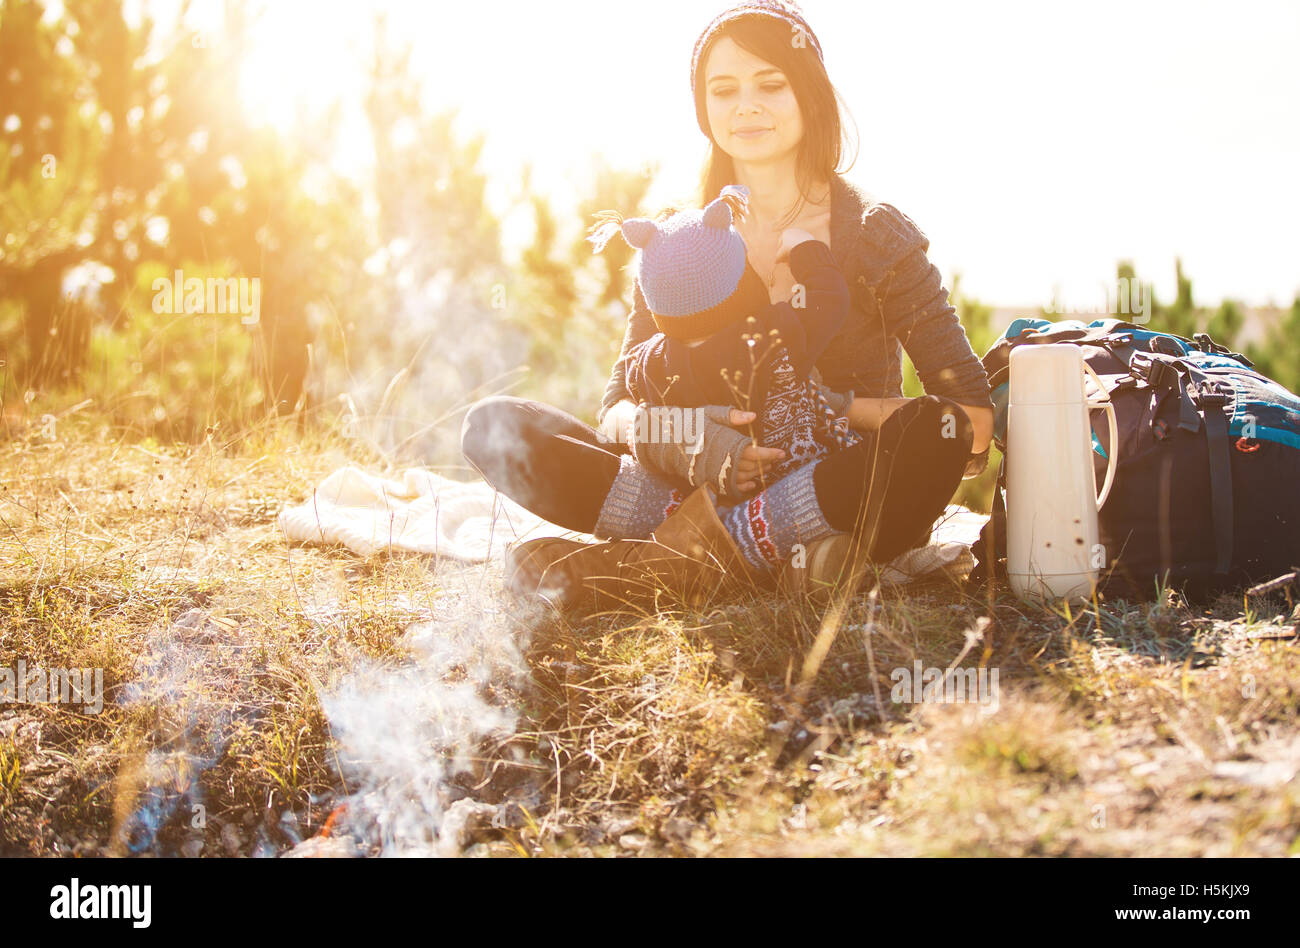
260 698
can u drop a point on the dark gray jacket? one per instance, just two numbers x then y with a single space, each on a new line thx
899 302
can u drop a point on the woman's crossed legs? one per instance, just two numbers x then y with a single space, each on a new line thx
891 486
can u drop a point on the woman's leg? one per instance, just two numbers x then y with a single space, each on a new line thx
552 464
887 490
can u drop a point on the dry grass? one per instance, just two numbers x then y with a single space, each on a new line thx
1126 729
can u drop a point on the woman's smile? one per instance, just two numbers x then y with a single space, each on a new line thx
750 132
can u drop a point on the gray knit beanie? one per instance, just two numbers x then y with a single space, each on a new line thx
786 11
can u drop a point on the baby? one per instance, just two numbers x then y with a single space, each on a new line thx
722 342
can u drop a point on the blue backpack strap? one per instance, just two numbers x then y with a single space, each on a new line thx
1208 345
1166 373
1200 396
1212 398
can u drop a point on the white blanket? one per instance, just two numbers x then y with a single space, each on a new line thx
424 512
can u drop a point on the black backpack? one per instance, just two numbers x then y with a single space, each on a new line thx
1206 495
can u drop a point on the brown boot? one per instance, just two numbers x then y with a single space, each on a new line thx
566 573
527 562
709 564
690 556
814 575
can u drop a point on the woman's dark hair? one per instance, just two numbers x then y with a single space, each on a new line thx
823 141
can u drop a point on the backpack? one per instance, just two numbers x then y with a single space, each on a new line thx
1206 492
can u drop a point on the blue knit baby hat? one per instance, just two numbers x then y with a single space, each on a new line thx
689 265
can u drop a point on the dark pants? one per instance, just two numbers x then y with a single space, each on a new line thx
892 485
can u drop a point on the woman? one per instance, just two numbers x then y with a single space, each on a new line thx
767 106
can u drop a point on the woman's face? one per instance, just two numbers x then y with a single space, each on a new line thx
752 111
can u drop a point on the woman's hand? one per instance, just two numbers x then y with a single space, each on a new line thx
618 422
981 419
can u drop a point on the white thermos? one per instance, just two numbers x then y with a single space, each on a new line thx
1052 542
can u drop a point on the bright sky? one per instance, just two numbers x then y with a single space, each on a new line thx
1034 143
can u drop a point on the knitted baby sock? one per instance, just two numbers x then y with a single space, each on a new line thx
636 504
769 525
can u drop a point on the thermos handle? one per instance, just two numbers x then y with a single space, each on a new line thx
1106 403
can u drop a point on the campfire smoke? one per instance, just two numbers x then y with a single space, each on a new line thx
402 733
